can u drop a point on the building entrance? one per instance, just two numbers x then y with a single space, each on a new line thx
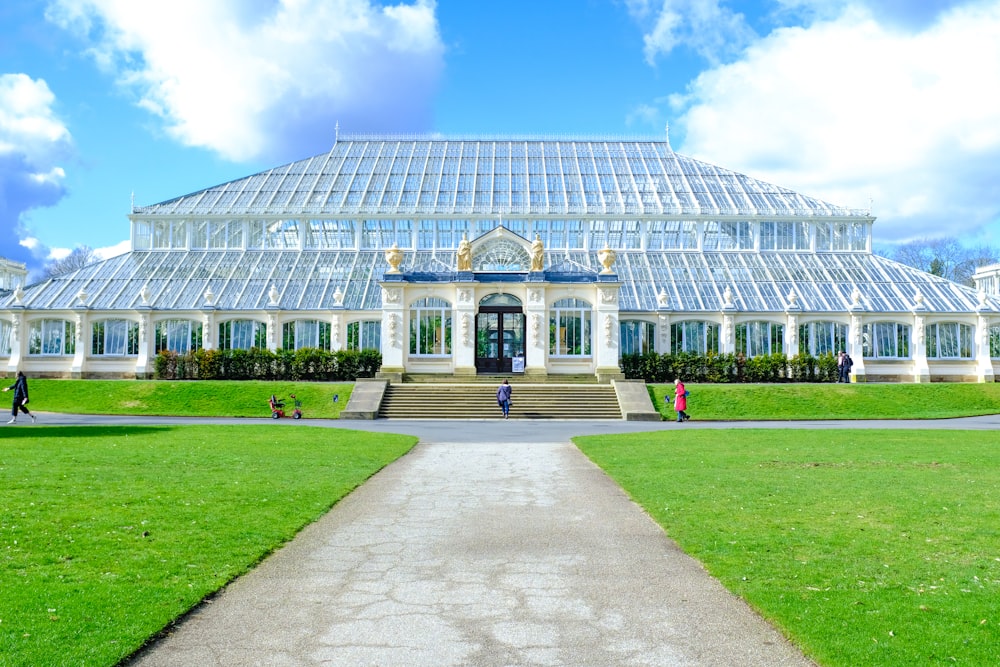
499 334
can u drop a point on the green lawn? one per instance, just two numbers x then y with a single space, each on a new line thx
866 547
201 398
109 533
798 401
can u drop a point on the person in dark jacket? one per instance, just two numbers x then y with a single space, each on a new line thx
503 398
844 364
20 388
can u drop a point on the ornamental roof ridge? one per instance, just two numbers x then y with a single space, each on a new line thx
486 137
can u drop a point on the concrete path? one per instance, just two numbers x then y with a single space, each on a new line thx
481 553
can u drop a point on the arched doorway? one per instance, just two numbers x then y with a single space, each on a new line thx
499 334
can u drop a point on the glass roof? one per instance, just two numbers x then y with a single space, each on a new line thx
423 176
692 281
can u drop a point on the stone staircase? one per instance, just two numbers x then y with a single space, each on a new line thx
411 400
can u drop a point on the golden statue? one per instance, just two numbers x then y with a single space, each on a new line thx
537 254
464 254
394 256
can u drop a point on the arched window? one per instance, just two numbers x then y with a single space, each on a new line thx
569 328
366 335
819 338
115 338
497 299
5 330
754 339
694 336
430 327
51 337
995 342
949 340
500 255
636 336
242 335
885 340
305 333
180 336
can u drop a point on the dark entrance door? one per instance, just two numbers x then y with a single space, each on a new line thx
499 338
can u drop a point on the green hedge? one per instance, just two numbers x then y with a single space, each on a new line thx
722 368
256 364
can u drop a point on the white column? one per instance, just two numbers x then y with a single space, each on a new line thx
338 332
921 371
273 335
143 368
82 323
536 331
463 338
393 330
984 365
18 336
606 332
208 332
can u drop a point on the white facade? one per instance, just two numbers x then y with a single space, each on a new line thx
470 256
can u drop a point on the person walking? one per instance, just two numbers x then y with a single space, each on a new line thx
503 397
20 388
680 401
844 364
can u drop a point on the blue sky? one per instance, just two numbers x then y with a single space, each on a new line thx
882 104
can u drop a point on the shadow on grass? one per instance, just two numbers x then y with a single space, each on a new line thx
34 431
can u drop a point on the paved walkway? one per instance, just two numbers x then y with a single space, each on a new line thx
478 553
470 551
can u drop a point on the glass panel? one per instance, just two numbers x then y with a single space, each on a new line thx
513 335
487 335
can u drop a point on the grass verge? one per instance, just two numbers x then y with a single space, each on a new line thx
798 401
201 398
867 547
109 533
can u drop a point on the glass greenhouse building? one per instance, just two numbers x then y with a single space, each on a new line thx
460 256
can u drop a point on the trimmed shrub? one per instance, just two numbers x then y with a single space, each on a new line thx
728 368
308 364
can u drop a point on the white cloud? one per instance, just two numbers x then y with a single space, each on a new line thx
848 109
29 126
267 79
33 140
706 27
108 252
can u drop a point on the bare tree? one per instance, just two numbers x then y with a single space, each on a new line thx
81 256
946 257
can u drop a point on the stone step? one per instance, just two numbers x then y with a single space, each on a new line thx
476 401
496 378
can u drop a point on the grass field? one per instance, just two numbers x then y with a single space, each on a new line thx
202 398
865 547
109 533
797 401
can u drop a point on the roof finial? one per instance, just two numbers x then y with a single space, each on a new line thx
336 132
132 209
666 131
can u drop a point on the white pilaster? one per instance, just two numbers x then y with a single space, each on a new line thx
81 325
921 371
463 339
984 365
18 336
393 330
537 331
606 345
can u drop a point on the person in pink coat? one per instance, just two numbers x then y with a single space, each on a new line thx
680 401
